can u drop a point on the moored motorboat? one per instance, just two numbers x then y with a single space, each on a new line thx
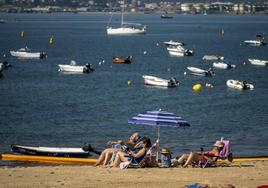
241 85
27 53
254 42
259 41
122 60
155 81
213 58
258 62
221 65
179 51
173 43
200 72
84 151
166 16
73 67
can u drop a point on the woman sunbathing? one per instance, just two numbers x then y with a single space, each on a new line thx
106 155
136 155
195 158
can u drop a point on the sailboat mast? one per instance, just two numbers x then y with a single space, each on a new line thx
122 13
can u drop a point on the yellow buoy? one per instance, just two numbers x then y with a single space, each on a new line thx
129 82
197 87
22 34
51 40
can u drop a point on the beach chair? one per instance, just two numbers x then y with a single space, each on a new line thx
226 152
149 160
224 157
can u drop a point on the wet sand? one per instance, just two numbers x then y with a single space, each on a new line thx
241 175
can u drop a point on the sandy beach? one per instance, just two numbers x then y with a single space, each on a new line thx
240 175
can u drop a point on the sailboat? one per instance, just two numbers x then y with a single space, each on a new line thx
126 28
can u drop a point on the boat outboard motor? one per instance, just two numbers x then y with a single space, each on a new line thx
87 147
87 68
244 84
6 64
210 72
173 81
43 55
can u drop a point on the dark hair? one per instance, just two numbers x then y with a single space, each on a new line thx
146 141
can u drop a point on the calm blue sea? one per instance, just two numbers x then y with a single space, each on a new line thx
41 106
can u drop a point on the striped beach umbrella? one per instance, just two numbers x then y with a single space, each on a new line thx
159 118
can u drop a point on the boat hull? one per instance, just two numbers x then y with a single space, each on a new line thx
200 72
125 31
121 60
71 68
236 84
223 66
213 58
254 42
50 151
36 55
258 62
173 43
155 81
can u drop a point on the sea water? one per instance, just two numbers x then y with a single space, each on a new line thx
40 106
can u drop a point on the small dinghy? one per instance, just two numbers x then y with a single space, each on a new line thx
259 41
55 151
213 58
221 65
200 72
122 60
241 85
173 43
255 42
73 67
258 62
28 54
155 81
179 51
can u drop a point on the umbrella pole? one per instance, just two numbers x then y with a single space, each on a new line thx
158 138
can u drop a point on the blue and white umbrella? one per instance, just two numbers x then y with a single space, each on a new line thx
159 118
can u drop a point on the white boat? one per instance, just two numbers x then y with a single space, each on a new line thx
254 42
221 65
179 51
258 62
258 41
27 53
155 81
213 58
84 151
126 28
73 67
200 72
173 43
241 85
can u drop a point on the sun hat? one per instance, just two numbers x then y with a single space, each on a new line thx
165 151
218 144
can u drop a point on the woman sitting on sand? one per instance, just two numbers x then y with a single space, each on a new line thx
106 155
195 158
137 154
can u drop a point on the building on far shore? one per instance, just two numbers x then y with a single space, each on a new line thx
216 7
